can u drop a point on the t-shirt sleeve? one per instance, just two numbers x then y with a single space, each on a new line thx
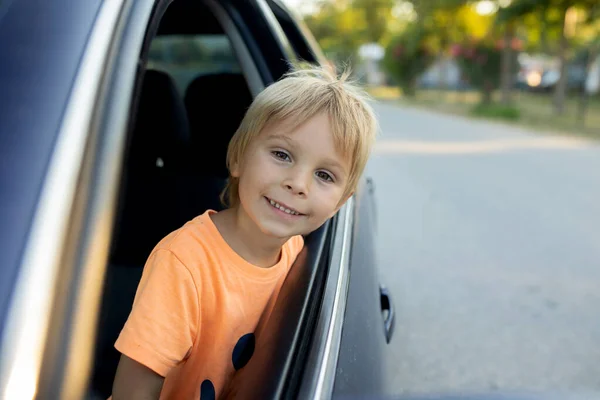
163 323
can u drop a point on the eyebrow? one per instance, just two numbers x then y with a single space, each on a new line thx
288 139
336 165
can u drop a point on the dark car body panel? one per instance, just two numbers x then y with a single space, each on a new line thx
41 43
360 370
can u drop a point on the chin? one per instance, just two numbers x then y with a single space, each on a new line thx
279 232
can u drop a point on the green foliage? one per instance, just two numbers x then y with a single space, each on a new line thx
377 15
520 8
427 7
496 111
407 56
342 26
337 28
543 21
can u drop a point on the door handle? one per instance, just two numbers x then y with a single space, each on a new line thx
388 313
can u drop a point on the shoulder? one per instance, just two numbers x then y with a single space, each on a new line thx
189 244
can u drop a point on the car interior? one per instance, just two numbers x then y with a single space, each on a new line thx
192 95
174 167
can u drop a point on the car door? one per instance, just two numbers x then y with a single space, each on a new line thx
48 336
60 165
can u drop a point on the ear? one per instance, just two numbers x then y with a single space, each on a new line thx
234 169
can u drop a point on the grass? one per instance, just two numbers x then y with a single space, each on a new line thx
530 110
497 111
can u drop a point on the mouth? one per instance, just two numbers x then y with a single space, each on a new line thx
283 208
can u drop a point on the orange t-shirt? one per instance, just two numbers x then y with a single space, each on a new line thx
197 308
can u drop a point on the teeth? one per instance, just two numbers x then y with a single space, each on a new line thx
285 210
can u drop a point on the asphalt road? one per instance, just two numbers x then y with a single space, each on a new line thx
490 244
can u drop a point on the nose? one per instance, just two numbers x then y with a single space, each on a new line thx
298 183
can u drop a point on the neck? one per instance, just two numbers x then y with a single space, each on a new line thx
244 237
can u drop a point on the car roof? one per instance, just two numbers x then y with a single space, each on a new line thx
189 17
41 44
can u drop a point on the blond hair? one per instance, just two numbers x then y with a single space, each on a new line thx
301 94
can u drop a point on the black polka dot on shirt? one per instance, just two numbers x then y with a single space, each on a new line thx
243 351
207 390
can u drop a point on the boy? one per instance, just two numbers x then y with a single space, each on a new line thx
294 161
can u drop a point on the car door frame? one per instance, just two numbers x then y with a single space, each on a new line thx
63 272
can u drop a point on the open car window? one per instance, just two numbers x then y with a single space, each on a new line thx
193 92
303 42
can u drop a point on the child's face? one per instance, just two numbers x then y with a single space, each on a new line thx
298 169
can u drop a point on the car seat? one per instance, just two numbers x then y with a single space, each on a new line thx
216 104
149 210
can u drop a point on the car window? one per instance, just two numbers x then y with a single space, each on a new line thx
300 37
185 57
298 44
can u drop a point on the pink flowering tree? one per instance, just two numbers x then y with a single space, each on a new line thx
407 56
481 65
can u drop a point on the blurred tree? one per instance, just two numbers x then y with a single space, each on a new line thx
566 11
506 27
338 27
407 55
591 53
539 30
448 22
481 60
377 15
508 58
342 26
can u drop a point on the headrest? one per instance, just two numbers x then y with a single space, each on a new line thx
216 104
156 155
161 126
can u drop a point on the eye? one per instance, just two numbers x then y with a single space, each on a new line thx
281 155
324 176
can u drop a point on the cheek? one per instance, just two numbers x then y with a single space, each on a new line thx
257 171
327 200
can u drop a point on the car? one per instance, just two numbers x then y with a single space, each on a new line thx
545 80
114 122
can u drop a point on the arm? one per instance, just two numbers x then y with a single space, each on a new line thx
160 329
135 381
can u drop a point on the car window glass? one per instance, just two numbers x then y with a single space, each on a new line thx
298 42
185 57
